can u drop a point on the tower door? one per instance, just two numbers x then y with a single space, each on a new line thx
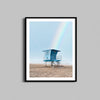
53 55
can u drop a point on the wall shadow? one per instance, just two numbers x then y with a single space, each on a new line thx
24 50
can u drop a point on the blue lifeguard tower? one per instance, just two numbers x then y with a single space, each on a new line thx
51 56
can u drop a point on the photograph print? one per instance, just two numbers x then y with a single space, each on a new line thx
51 49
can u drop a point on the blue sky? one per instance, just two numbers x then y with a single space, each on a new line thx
42 35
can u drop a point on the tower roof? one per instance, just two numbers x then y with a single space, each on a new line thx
51 50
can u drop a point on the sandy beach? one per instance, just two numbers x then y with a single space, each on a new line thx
41 70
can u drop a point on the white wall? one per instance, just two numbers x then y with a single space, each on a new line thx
12 34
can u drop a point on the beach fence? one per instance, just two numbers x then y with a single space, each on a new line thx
51 55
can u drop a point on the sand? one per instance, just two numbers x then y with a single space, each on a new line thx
40 70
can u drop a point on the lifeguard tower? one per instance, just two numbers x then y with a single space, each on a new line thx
52 56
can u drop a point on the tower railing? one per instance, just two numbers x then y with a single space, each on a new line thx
46 58
58 57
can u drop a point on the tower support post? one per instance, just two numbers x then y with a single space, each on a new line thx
58 63
52 63
45 63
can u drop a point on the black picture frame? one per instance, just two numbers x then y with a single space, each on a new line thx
25 55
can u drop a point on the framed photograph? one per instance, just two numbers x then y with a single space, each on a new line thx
51 49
